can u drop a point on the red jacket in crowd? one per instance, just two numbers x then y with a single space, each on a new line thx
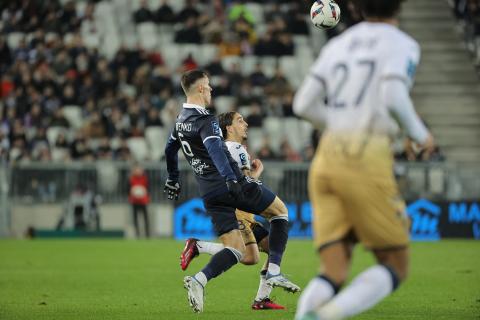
138 190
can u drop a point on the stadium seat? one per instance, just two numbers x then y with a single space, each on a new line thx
129 40
156 139
80 7
208 53
138 147
52 134
165 38
14 38
177 5
228 61
74 116
244 111
275 130
248 65
171 56
154 4
91 40
59 154
93 143
193 49
269 65
257 11
261 28
111 46
224 104
290 70
147 35
146 28
293 125
300 40
255 139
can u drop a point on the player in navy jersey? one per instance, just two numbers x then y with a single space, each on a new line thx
223 189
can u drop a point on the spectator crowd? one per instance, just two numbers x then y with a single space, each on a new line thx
467 13
51 69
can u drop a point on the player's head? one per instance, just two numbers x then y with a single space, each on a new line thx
196 85
380 9
233 126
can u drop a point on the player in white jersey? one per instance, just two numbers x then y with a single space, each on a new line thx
359 88
255 236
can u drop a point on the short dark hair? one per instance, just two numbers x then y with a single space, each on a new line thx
190 77
226 119
380 8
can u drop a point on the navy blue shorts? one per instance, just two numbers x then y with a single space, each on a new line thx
256 198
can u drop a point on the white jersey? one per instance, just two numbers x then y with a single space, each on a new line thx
351 69
239 154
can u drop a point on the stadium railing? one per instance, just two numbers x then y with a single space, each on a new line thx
53 183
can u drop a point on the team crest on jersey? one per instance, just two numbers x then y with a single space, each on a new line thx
411 69
216 129
243 159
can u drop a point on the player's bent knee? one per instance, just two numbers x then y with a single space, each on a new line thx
396 261
277 208
338 277
250 260
251 256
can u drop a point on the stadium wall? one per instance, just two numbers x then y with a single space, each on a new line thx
113 217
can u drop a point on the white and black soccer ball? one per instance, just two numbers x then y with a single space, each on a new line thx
325 14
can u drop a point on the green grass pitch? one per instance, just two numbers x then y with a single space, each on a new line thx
120 279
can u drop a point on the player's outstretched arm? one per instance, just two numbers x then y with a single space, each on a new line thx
396 95
309 101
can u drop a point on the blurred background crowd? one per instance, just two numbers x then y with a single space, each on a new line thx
76 86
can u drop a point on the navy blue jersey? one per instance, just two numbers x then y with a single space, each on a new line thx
199 136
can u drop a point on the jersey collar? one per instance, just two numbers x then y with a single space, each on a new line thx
192 106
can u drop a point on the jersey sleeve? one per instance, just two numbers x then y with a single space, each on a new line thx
209 128
171 156
402 63
309 100
240 155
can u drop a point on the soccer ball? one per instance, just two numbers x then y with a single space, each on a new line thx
325 14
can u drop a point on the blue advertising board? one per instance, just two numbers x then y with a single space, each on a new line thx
430 221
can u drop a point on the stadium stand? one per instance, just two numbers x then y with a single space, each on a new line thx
105 74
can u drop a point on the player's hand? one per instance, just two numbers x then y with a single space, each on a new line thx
257 168
172 188
428 147
234 189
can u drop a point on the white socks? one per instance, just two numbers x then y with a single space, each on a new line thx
318 292
200 276
365 291
209 247
273 268
264 289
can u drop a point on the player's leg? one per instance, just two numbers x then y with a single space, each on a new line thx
332 234
135 210
277 214
226 226
245 222
146 221
369 287
259 199
194 247
388 238
262 299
